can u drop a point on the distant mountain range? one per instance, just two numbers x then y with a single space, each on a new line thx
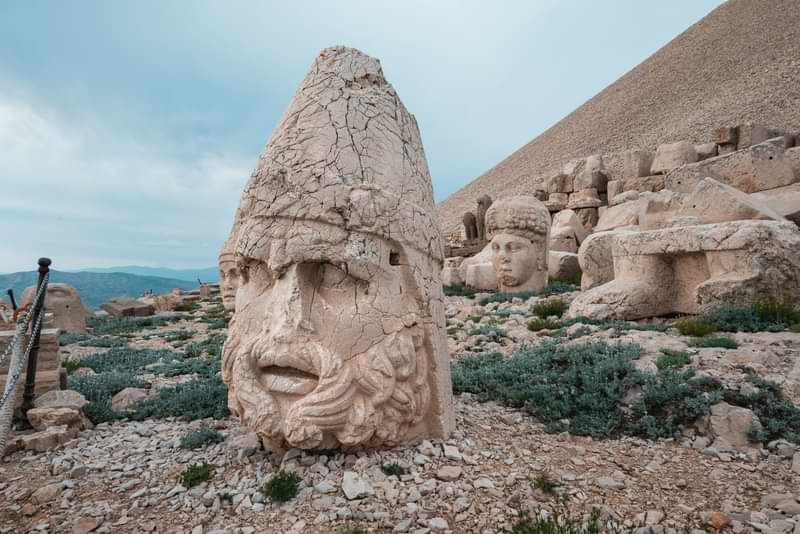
96 288
208 275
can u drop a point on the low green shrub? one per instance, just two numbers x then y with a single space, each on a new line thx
177 335
563 521
101 412
557 287
764 316
196 399
669 399
71 365
501 297
717 342
544 483
105 342
127 359
696 327
577 388
393 469
673 359
99 389
103 386
218 324
282 487
212 346
69 338
116 326
537 324
459 290
188 307
201 437
491 331
550 308
196 474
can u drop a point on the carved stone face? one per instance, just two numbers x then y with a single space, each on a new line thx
327 355
519 263
230 278
519 228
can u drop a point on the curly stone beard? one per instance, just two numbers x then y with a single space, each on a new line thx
371 399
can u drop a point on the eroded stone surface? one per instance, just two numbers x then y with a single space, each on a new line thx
63 300
338 335
687 269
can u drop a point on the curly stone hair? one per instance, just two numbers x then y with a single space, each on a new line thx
521 215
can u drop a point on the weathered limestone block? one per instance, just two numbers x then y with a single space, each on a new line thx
484 257
793 157
726 136
519 228
124 307
671 156
586 198
705 151
556 201
636 164
481 276
450 272
560 183
619 216
729 426
712 201
692 268
784 201
588 217
563 243
592 175
566 224
750 135
595 259
651 184
658 210
626 196
614 188
64 302
337 340
562 265
758 168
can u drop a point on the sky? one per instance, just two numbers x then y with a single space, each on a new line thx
128 129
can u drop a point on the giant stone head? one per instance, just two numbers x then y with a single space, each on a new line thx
519 229
337 336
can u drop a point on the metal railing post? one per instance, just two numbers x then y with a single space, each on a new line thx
38 309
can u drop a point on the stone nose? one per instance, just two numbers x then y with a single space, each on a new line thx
289 308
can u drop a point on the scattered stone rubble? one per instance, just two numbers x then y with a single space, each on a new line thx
122 477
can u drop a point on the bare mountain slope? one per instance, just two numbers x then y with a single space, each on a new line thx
740 63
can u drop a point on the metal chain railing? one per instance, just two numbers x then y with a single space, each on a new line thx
28 318
20 358
13 377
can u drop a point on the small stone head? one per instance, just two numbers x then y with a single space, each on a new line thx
230 275
519 229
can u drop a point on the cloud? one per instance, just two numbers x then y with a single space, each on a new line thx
74 178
